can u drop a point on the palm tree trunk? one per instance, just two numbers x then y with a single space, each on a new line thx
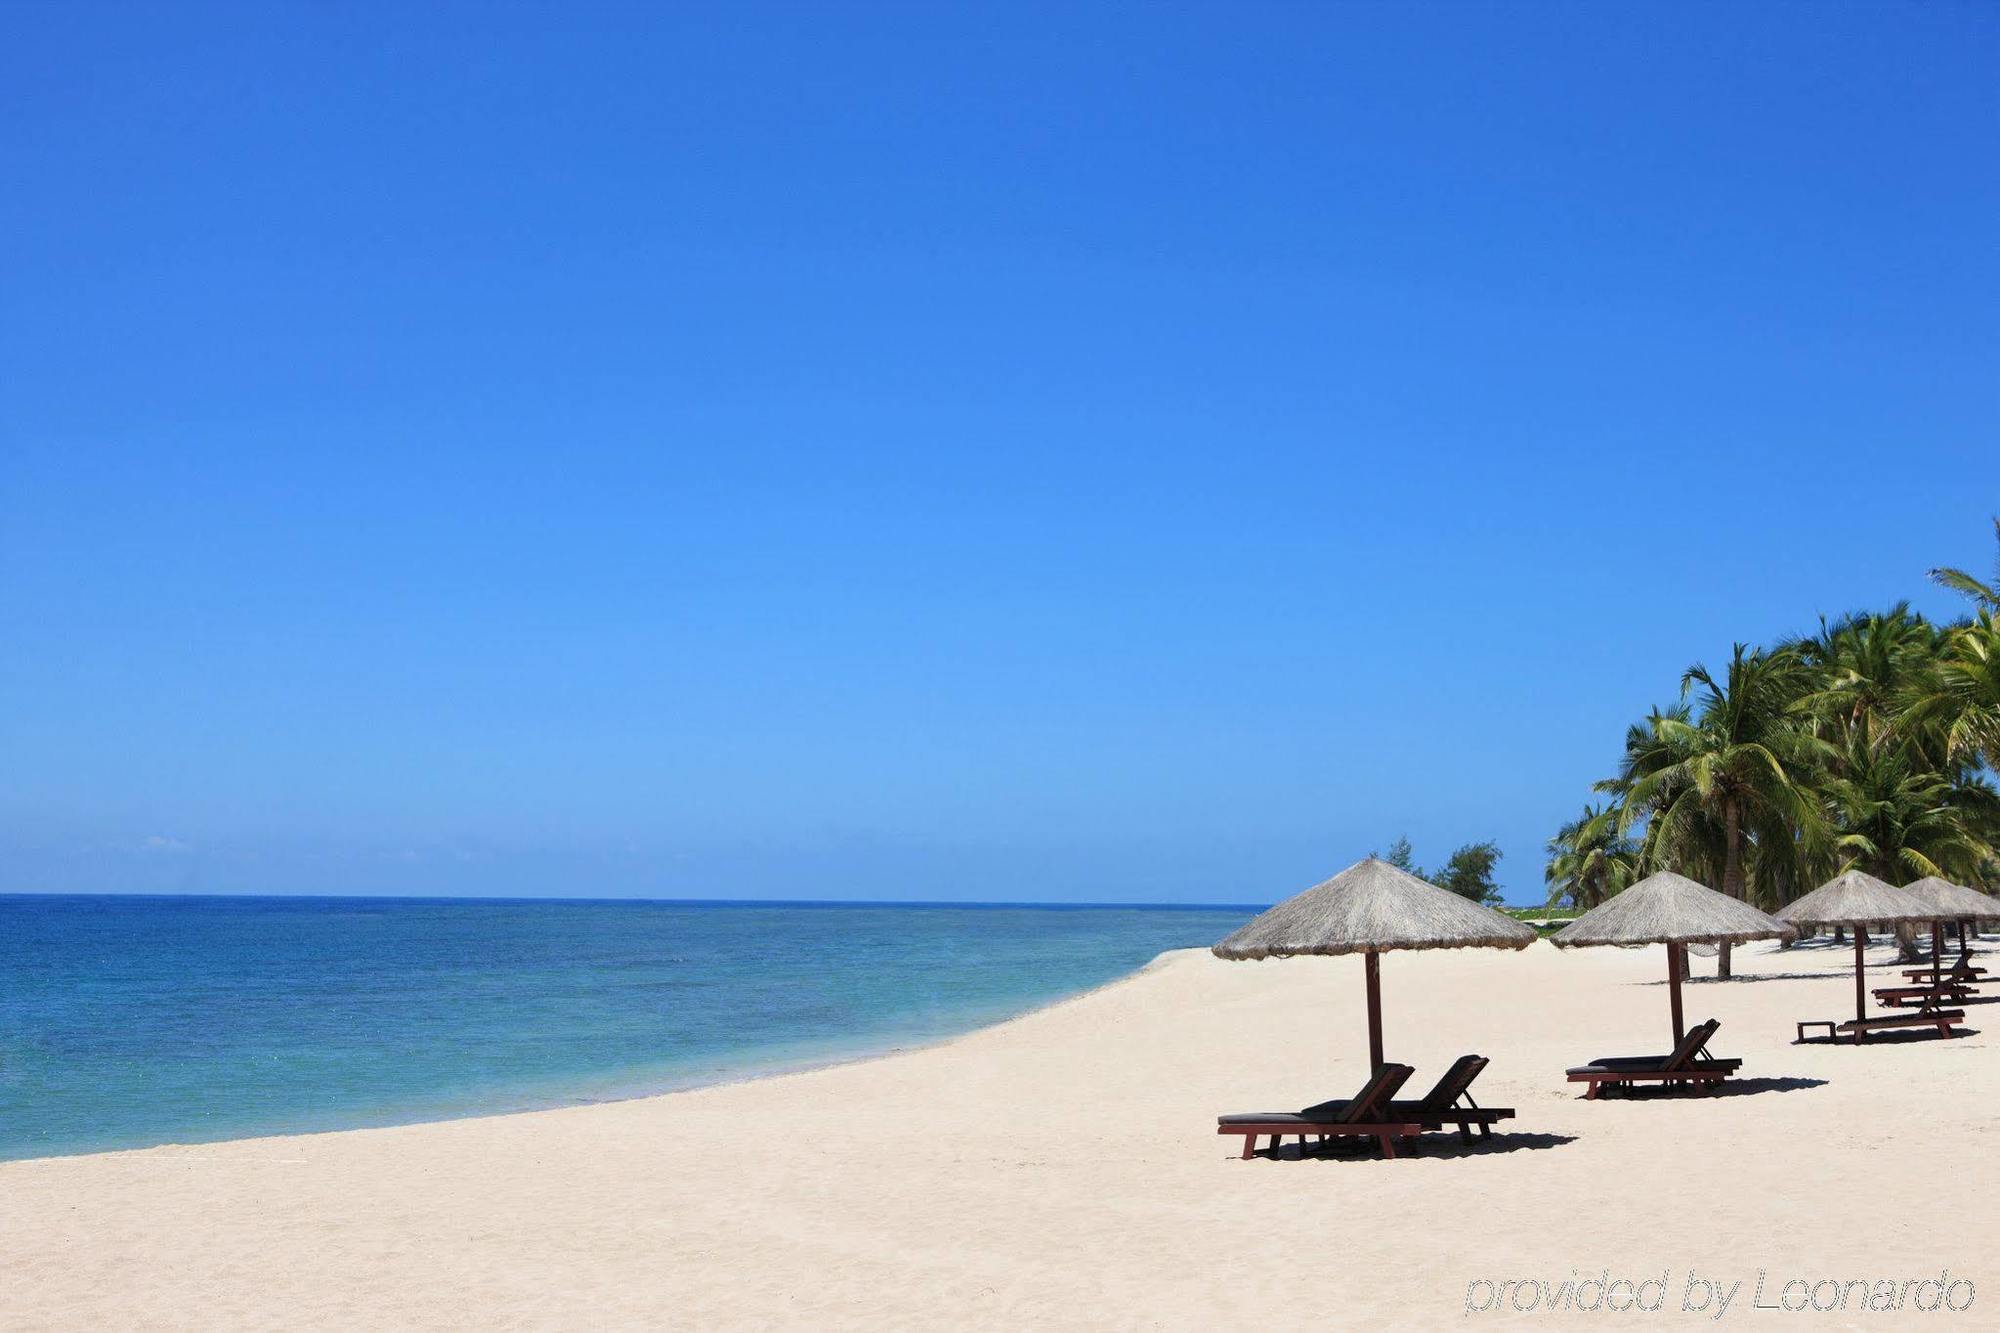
1732 872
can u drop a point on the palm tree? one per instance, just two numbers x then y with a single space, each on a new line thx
1590 858
1957 699
1900 820
1690 845
1872 743
1859 667
1735 771
1962 698
1986 596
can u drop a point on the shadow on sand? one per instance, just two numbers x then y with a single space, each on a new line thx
1450 1145
1747 1087
1848 977
1891 1038
1878 944
1445 1144
1735 1087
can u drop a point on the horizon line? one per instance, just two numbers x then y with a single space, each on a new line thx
684 902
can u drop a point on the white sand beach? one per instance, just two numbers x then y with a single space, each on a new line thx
1062 1170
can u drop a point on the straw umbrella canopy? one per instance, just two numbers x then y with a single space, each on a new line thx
1953 902
1856 898
1675 911
1370 908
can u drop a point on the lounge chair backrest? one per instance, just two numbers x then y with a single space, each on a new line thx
1696 1038
1455 1082
1382 1085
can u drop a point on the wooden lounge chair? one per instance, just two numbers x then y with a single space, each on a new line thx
1941 1019
1448 1103
1366 1114
1922 996
1688 1064
1451 1103
1959 974
1962 965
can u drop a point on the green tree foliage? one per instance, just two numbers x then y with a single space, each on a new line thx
1469 872
1590 859
1870 744
1985 594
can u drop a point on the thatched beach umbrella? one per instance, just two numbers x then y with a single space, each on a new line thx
1675 911
1370 908
1856 898
1952 902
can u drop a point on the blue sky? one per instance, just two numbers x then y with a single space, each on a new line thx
1049 453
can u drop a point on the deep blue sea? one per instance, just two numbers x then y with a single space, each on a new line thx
130 1021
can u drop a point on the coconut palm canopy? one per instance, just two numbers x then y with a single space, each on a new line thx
1869 742
1855 897
1371 907
1954 902
1670 909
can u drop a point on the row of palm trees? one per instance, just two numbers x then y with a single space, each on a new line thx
1870 744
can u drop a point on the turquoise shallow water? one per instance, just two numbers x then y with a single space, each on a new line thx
130 1021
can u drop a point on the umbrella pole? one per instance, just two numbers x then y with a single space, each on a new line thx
1675 967
1937 948
1374 1010
1860 985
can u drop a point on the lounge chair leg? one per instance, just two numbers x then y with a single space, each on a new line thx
1249 1146
1388 1143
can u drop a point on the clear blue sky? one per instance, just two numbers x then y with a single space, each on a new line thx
1055 453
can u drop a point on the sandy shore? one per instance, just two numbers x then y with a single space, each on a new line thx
1062 1170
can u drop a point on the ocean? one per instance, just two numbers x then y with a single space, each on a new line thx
132 1021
